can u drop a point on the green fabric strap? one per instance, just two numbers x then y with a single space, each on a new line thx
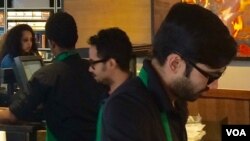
144 77
164 119
165 123
99 123
62 56
49 135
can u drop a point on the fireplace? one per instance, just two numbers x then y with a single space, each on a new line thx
235 15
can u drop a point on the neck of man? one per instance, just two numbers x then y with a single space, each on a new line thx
118 78
165 80
58 50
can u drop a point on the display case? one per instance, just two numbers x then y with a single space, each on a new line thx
46 54
32 12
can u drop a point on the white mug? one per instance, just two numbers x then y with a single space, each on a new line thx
2 136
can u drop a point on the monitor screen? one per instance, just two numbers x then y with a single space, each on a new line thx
25 66
30 67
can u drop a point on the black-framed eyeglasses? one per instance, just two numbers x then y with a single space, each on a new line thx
211 77
93 62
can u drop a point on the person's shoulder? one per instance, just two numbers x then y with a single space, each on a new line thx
84 63
47 70
132 102
7 62
133 91
7 56
48 74
134 85
77 62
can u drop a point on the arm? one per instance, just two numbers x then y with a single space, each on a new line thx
6 115
22 105
25 104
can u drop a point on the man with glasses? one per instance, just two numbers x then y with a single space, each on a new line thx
109 56
191 50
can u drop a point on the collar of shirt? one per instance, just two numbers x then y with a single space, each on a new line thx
155 87
64 55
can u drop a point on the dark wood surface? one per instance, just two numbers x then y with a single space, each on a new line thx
217 104
228 94
22 131
213 130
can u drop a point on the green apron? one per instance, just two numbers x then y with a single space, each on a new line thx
164 120
59 58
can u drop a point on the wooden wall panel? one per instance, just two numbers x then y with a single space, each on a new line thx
218 104
160 9
133 16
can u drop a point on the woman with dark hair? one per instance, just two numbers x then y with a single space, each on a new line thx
19 41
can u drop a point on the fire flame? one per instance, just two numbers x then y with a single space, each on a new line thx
229 13
237 26
243 4
204 3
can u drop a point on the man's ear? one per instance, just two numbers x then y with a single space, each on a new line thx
174 62
112 63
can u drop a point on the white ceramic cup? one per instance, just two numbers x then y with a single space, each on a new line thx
2 136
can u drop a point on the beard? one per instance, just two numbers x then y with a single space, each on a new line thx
101 78
105 81
184 90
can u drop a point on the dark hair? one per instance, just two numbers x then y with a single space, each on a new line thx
12 43
61 28
197 34
113 43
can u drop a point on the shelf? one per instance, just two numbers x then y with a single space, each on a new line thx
32 12
39 30
44 49
47 60
33 8
45 54
37 26
25 20
28 15
142 50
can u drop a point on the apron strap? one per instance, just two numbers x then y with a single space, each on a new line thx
164 119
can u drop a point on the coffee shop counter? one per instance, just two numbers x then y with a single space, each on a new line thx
23 131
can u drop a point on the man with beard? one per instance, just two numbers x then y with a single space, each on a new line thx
190 52
109 55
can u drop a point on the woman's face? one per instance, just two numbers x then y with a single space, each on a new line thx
26 41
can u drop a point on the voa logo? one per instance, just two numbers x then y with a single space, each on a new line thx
236 132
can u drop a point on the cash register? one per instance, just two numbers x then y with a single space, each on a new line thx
16 79
25 66
8 81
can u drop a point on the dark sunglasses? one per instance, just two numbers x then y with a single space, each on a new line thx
92 62
211 77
